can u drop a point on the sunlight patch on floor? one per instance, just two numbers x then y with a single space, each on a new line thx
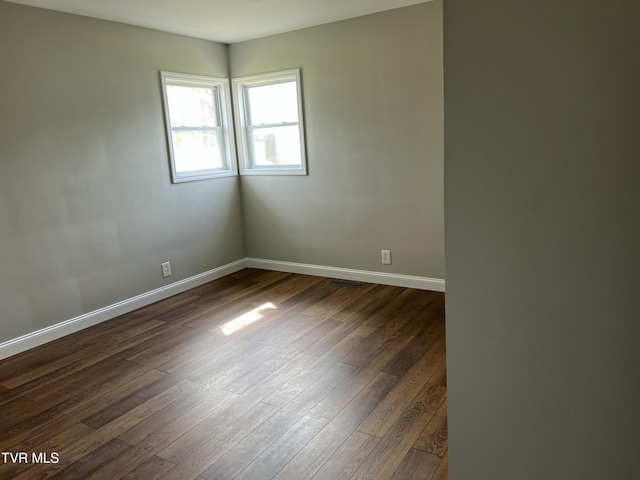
245 319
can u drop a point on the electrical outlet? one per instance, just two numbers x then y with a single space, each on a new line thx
166 269
386 257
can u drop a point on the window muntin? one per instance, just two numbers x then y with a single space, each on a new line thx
197 113
269 124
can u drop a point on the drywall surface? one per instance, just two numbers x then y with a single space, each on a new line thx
542 211
372 89
87 208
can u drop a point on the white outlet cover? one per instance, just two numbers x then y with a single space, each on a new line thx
166 269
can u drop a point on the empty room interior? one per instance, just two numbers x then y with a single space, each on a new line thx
280 345
223 235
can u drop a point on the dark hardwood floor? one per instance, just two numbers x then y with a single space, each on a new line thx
257 375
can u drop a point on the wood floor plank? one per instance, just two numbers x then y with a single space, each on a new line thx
282 392
260 373
147 448
220 377
80 381
100 388
18 410
239 457
324 343
434 438
165 305
92 461
193 353
295 306
240 406
284 289
339 298
219 319
56 376
270 330
315 453
348 458
392 448
81 356
140 396
416 462
112 340
165 416
292 329
346 344
7 395
209 452
217 354
354 383
85 405
271 461
128 322
362 308
259 280
415 349
317 368
400 304
401 396
442 472
312 335
36 357
203 307
152 469
228 356
310 396
175 429
108 432
133 344
52 444
32 438
16 432
389 334
162 353
440 375
304 295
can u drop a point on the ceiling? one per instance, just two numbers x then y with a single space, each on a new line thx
226 21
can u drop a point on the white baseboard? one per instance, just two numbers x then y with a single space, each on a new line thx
421 283
39 337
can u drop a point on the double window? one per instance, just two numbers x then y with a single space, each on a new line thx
197 114
269 125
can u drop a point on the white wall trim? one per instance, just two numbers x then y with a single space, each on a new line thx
39 337
421 283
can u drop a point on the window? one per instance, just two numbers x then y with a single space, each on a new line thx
197 113
269 124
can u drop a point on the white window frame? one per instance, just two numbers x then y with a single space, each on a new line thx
247 164
223 100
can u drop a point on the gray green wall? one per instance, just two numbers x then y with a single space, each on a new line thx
542 239
372 89
87 208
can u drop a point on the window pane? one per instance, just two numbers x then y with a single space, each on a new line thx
192 106
196 150
270 104
276 146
